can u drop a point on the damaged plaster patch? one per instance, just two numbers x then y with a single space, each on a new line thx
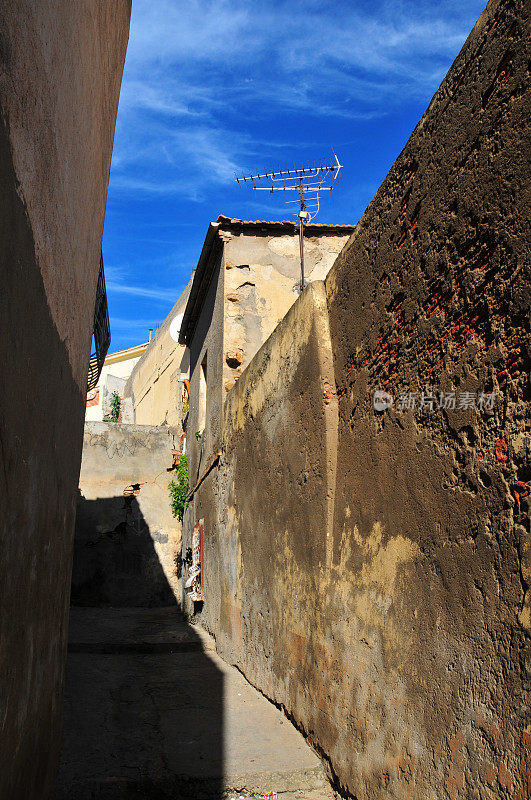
377 577
383 567
287 246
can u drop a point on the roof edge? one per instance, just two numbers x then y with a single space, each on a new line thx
201 275
126 352
205 265
235 224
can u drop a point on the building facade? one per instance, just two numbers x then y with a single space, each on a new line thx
116 370
158 385
60 73
366 564
247 278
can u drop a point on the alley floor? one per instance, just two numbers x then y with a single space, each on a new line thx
151 711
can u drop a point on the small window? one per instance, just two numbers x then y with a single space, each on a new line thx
202 395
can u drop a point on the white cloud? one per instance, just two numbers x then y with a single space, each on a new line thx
164 295
213 87
252 48
128 325
197 71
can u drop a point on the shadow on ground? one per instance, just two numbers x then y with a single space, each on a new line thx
150 710
139 720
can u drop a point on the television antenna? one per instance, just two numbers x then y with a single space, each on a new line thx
307 182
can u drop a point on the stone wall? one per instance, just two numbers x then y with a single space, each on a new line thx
432 521
368 568
60 71
126 539
278 399
255 280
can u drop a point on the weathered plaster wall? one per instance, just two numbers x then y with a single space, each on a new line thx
60 72
125 546
394 632
262 281
155 384
284 396
431 523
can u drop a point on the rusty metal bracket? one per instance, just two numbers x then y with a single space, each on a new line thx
203 476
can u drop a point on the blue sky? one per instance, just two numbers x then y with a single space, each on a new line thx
215 87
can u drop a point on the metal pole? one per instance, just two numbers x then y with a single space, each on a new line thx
302 216
301 247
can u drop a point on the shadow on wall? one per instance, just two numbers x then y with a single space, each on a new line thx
143 711
115 562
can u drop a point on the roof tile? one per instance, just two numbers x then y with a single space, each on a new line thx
276 222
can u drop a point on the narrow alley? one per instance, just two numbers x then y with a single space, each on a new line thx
265 460
152 712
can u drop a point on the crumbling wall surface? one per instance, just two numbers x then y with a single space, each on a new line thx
271 503
394 634
126 539
262 281
60 72
426 684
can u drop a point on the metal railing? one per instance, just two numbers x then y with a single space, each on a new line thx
101 333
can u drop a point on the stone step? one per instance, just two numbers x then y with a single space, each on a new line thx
134 630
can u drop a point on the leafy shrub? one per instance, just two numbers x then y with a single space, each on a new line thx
179 490
115 408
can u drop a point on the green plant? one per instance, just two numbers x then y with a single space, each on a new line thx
198 435
179 490
115 406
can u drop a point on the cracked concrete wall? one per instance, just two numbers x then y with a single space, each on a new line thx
444 309
379 589
126 540
60 72
262 281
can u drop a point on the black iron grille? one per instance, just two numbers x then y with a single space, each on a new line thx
101 333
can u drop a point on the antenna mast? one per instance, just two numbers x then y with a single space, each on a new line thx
307 182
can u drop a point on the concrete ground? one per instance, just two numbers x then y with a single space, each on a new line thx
152 712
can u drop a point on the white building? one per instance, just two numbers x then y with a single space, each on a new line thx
116 370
